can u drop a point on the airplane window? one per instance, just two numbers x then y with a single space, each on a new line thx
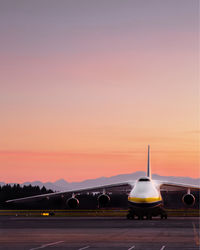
143 179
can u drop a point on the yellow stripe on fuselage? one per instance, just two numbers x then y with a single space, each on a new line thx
144 200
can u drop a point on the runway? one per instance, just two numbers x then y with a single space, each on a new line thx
79 233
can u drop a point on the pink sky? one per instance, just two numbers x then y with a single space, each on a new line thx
86 87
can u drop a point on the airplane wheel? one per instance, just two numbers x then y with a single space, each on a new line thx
130 216
163 216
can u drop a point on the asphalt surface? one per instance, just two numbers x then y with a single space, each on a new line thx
74 233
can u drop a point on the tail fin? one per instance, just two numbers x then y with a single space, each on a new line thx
148 163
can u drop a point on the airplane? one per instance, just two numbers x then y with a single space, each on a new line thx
144 195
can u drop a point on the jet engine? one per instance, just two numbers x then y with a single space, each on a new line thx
72 202
188 199
103 199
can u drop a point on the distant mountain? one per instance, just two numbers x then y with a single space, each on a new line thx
64 185
61 183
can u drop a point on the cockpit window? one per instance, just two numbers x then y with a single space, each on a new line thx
143 179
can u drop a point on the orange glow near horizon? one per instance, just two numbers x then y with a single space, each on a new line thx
81 166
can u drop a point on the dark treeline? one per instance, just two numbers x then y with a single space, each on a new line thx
8 192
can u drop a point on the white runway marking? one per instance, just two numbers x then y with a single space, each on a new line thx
131 247
196 235
47 245
84 248
162 247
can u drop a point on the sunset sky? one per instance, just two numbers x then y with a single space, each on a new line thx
86 85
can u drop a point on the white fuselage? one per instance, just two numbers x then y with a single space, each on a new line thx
145 194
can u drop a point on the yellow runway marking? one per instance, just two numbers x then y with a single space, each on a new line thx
196 235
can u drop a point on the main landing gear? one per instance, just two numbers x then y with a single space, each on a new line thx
130 216
163 214
139 217
148 216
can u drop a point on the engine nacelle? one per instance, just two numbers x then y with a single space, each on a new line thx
72 202
103 199
188 199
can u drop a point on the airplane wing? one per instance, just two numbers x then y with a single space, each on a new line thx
174 186
123 187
